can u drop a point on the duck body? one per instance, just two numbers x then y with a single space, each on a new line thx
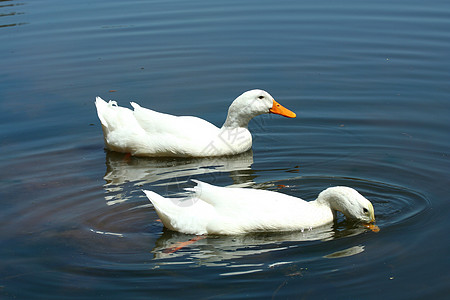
144 132
228 211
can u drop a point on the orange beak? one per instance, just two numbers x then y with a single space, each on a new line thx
372 227
281 110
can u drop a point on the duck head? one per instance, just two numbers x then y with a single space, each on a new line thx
251 104
348 201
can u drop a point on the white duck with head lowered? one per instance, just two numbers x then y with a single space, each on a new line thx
228 211
144 132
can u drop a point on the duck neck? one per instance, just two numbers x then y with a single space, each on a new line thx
235 123
334 200
237 118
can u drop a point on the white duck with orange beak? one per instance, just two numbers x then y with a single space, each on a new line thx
229 211
144 132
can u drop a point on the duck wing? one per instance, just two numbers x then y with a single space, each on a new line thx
222 197
240 210
183 127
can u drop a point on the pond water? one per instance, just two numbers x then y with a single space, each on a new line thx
369 81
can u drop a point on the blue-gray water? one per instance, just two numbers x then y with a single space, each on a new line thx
369 81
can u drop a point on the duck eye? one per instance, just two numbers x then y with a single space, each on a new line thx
261 97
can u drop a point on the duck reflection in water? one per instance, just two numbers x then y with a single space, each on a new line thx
171 173
215 249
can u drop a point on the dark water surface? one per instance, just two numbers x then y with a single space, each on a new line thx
369 81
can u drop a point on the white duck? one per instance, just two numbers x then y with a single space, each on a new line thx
144 132
220 210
